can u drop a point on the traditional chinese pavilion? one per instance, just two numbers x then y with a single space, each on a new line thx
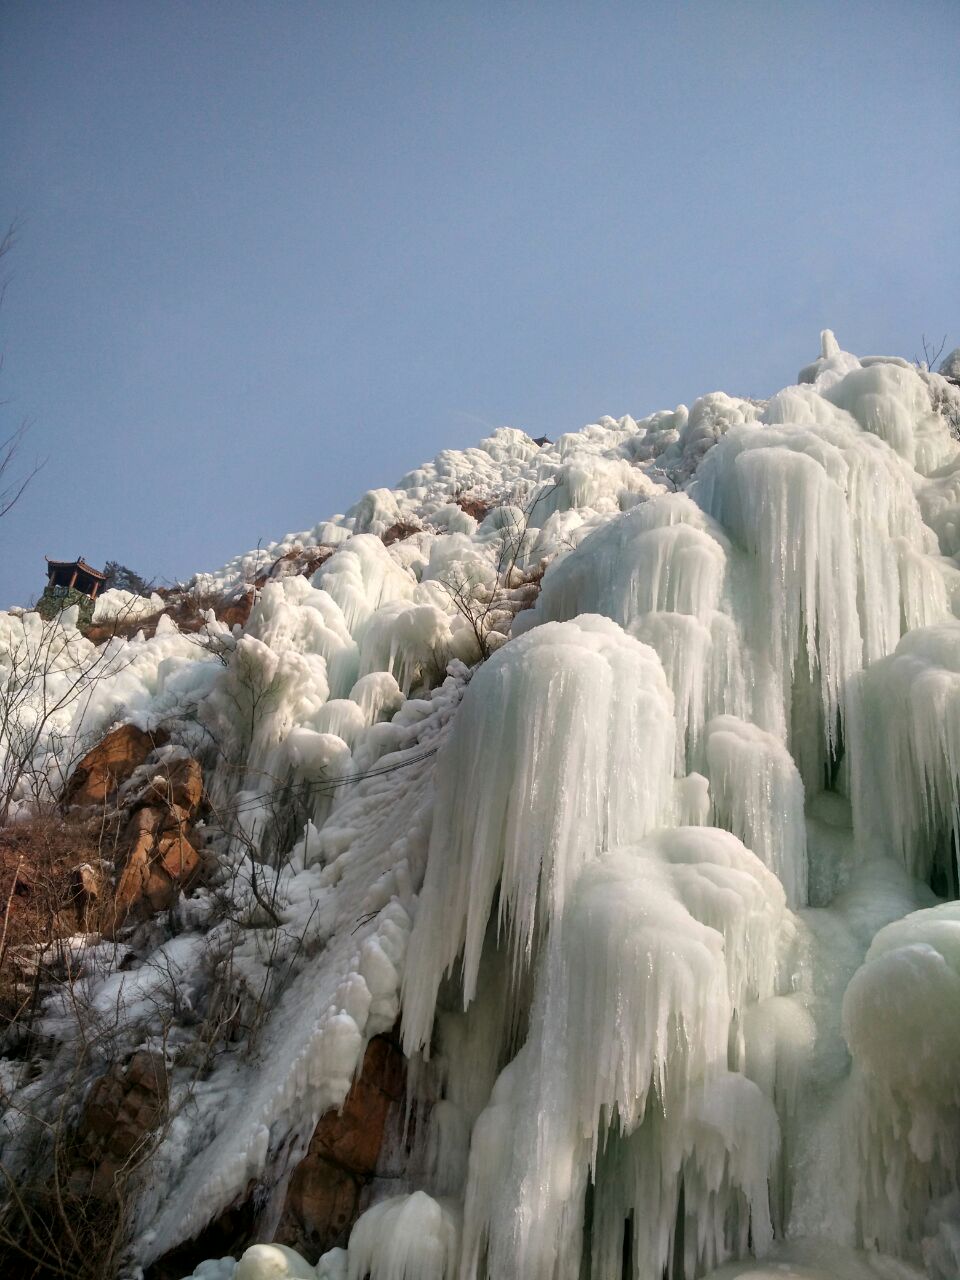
73 575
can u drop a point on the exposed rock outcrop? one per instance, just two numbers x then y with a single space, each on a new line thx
157 794
125 1108
101 772
157 861
323 1197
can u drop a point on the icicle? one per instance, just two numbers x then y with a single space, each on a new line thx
405 1238
563 745
757 794
900 1021
663 555
660 946
905 742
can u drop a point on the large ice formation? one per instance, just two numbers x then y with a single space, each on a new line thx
622 776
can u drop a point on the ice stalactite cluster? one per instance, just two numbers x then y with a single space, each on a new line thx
567 734
625 772
632 1011
706 1062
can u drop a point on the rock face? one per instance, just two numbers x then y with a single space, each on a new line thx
124 1108
323 1198
157 861
110 763
178 783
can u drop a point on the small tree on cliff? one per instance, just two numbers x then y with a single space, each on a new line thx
122 578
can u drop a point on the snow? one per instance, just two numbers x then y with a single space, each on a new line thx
125 605
662 891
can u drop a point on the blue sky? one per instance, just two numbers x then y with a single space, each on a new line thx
273 254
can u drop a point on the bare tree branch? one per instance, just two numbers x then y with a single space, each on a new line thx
11 487
931 354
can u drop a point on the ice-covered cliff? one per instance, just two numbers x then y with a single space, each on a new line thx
622 776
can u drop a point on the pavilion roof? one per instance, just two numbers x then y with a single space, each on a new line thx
80 564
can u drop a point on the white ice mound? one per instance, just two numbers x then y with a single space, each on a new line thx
214 1269
125 606
361 577
663 555
890 401
410 1237
563 745
906 745
901 1019
901 1011
661 946
273 1262
831 365
758 794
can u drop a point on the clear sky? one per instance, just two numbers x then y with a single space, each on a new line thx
273 254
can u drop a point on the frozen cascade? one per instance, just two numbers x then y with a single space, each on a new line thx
758 795
661 895
907 752
567 734
663 555
662 946
905 1052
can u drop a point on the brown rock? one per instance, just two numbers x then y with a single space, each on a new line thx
124 1107
234 612
178 783
323 1198
158 861
322 1204
398 532
110 763
353 1137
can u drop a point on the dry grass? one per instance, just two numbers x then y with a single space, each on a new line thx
53 884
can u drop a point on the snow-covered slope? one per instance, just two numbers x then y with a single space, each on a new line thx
635 798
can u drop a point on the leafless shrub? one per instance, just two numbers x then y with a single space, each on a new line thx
48 671
931 354
480 599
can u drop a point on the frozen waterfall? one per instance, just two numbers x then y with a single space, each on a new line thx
635 809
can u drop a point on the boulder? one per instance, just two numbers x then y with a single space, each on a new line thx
124 1108
109 764
179 782
157 862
